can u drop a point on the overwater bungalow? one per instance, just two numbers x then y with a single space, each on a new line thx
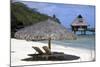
79 24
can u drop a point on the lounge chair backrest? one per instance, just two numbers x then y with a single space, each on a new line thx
38 50
47 50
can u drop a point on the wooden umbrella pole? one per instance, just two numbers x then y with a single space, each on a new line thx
49 43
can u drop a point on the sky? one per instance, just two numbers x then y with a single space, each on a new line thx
66 13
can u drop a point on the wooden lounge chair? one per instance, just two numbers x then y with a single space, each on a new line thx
47 55
38 50
40 53
47 50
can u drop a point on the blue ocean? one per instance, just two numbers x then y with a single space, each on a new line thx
83 41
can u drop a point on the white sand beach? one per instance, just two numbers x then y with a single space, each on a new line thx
21 48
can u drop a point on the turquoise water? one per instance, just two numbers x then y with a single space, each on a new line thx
83 41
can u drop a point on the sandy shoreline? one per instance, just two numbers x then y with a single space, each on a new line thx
20 49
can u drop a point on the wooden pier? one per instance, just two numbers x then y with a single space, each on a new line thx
91 29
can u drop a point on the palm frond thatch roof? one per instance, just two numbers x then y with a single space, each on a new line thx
44 30
79 21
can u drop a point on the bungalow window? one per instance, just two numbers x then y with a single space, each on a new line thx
80 20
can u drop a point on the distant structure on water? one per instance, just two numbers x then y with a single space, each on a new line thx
79 24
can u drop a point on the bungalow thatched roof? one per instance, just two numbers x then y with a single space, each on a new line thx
44 30
79 21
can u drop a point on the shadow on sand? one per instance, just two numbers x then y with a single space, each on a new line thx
56 56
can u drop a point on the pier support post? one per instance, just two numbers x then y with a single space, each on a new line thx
74 32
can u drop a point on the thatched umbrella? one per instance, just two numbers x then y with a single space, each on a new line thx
45 30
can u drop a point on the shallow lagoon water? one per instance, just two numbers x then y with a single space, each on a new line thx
82 41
